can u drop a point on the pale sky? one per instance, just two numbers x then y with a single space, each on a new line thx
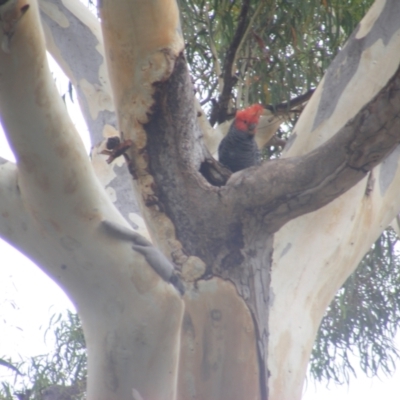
28 298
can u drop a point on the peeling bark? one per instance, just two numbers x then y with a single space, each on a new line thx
73 38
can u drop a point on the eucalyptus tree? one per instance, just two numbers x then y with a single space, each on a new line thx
219 293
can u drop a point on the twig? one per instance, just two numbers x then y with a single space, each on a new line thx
289 105
220 108
249 25
282 108
262 46
217 65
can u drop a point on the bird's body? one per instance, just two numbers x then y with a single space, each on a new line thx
238 149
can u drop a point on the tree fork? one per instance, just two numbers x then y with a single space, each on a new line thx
280 189
316 173
226 230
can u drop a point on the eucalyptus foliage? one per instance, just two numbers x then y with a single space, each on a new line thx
363 318
62 371
284 49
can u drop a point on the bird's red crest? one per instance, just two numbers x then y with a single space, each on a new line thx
247 119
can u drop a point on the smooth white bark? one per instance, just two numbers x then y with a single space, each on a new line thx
120 299
315 253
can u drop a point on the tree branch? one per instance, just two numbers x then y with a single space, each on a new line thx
66 204
286 107
77 46
318 251
220 108
284 189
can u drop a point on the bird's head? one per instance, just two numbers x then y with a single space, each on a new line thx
246 120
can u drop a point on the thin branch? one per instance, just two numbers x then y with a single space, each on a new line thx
283 108
216 63
220 108
249 25
292 103
262 46
209 96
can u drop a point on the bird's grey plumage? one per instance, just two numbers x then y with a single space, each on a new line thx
238 150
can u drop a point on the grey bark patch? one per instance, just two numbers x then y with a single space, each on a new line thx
370 183
154 257
216 314
187 325
208 365
233 259
80 44
271 297
235 243
346 63
286 249
125 193
111 378
388 170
